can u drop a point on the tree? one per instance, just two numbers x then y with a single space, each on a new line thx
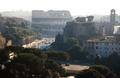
59 42
113 62
97 59
29 63
55 67
71 42
16 29
105 71
77 53
57 55
59 38
89 73
64 43
6 74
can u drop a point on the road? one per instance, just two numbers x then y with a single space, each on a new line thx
74 68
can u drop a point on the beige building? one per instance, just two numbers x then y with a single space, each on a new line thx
4 42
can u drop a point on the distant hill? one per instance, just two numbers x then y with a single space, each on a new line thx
16 29
20 14
27 16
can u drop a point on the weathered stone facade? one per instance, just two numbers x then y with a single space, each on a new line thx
49 23
81 30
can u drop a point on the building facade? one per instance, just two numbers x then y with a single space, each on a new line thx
105 45
81 28
49 23
102 47
4 42
108 22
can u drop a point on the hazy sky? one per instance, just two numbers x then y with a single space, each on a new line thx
76 7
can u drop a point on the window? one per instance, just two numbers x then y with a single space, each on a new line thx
96 47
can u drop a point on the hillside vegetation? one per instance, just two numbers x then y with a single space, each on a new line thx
16 29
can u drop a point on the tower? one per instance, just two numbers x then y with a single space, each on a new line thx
112 21
112 17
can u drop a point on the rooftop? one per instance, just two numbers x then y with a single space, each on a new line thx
51 14
103 39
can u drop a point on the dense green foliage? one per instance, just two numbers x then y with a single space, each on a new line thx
70 46
112 61
56 55
105 71
35 63
89 73
64 43
77 53
96 71
16 29
28 63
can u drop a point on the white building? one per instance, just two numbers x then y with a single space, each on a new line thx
102 47
116 30
105 45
